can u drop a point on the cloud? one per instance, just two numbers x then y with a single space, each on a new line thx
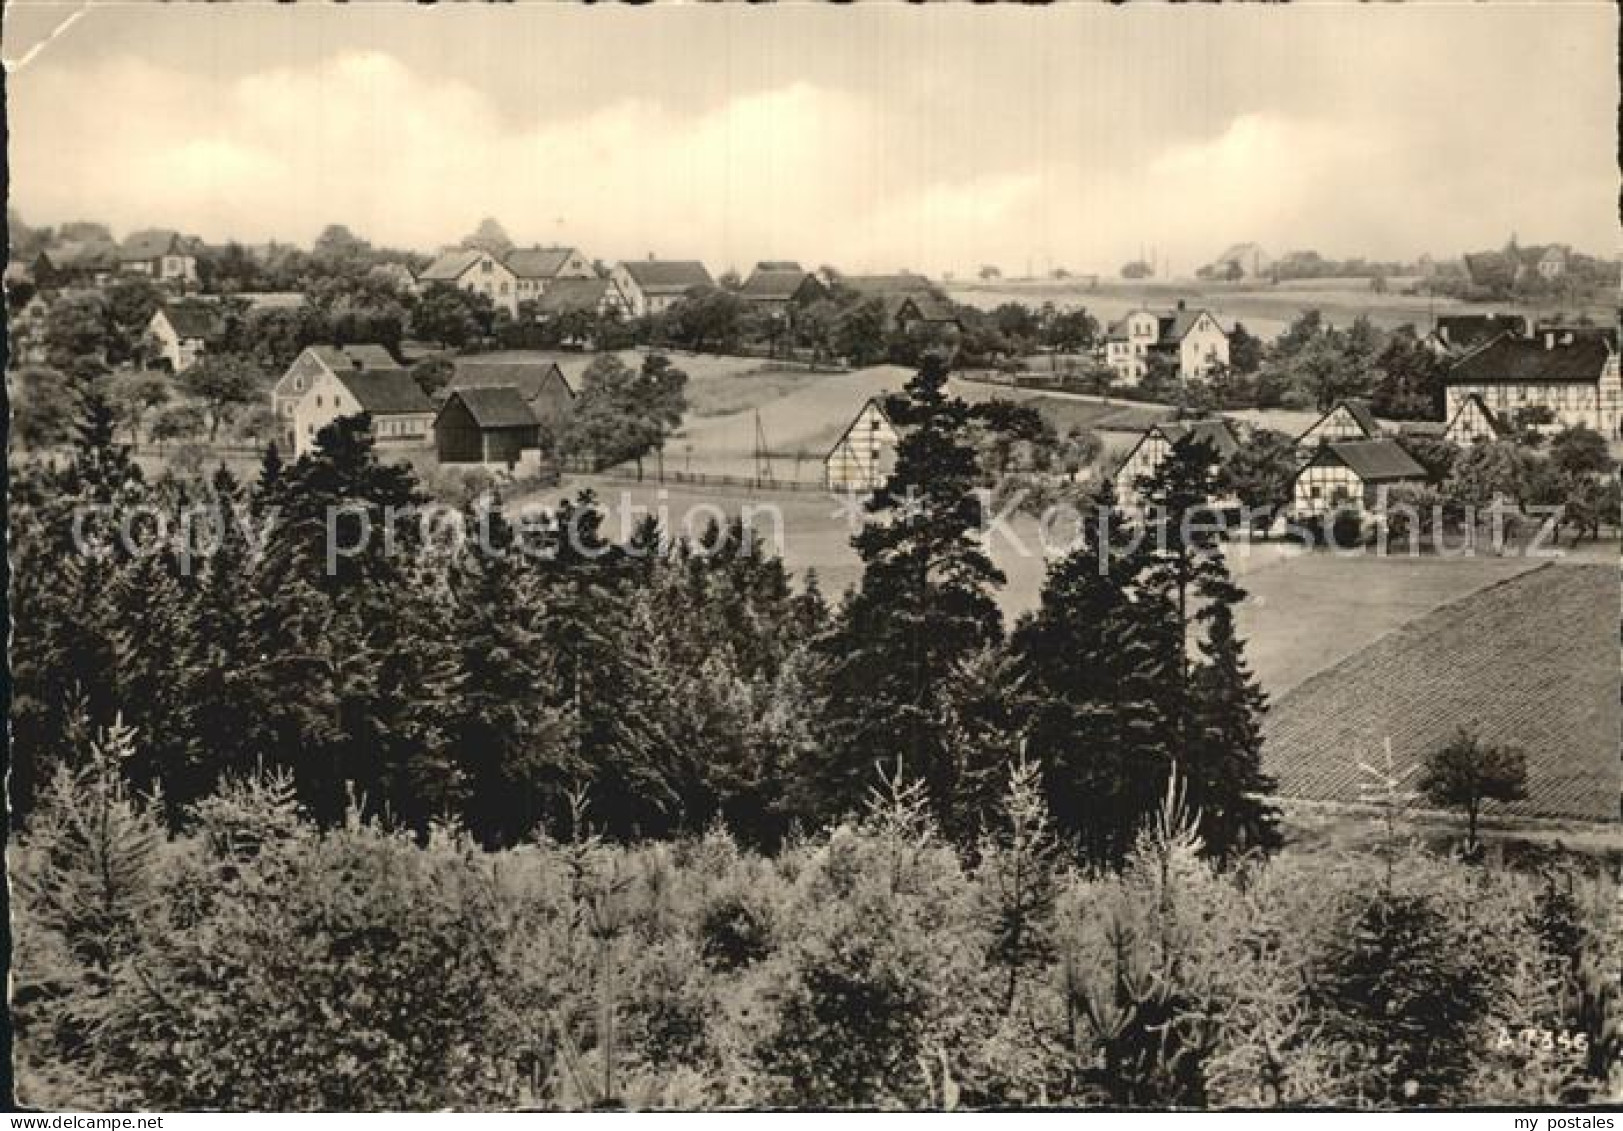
817 171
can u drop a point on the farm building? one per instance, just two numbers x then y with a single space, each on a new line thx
864 456
477 272
909 299
1455 335
160 254
776 288
1474 423
314 373
541 385
1346 420
1573 374
581 296
1192 339
537 269
653 286
485 424
185 331
1146 456
1353 476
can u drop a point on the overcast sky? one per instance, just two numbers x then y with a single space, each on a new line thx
873 137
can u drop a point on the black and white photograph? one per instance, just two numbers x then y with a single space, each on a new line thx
813 558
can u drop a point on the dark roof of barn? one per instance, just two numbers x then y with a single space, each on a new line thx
194 319
905 283
1466 331
494 406
668 276
1532 361
152 244
537 262
773 284
1376 461
356 356
1217 433
565 295
384 392
530 378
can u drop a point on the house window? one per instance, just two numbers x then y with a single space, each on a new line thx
298 384
484 267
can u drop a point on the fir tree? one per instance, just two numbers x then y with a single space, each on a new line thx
924 606
1227 783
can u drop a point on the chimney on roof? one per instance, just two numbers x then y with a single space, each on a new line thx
1180 304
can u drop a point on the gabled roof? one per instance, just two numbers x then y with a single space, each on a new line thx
1494 423
1171 326
1357 409
1464 332
385 392
151 244
530 378
86 255
773 284
494 406
563 296
881 286
1215 432
537 262
355 356
877 403
194 319
1540 359
451 265
668 276
1374 461
930 307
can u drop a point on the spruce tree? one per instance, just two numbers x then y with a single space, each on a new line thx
923 608
1224 773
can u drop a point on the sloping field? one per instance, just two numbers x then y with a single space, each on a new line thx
1307 612
1531 662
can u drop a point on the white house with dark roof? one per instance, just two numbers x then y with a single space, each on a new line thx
1573 373
160 254
185 331
1193 339
309 395
477 272
1144 458
865 454
653 286
536 269
1353 477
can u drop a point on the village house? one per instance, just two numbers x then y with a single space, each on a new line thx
1192 340
653 286
1346 420
1474 423
476 272
1353 477
75 263
486 424
536 269
1574 375
780 287
541 385
184 331
864 456
326 382
909 300
596 295
1455 335
161 255
1144 458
